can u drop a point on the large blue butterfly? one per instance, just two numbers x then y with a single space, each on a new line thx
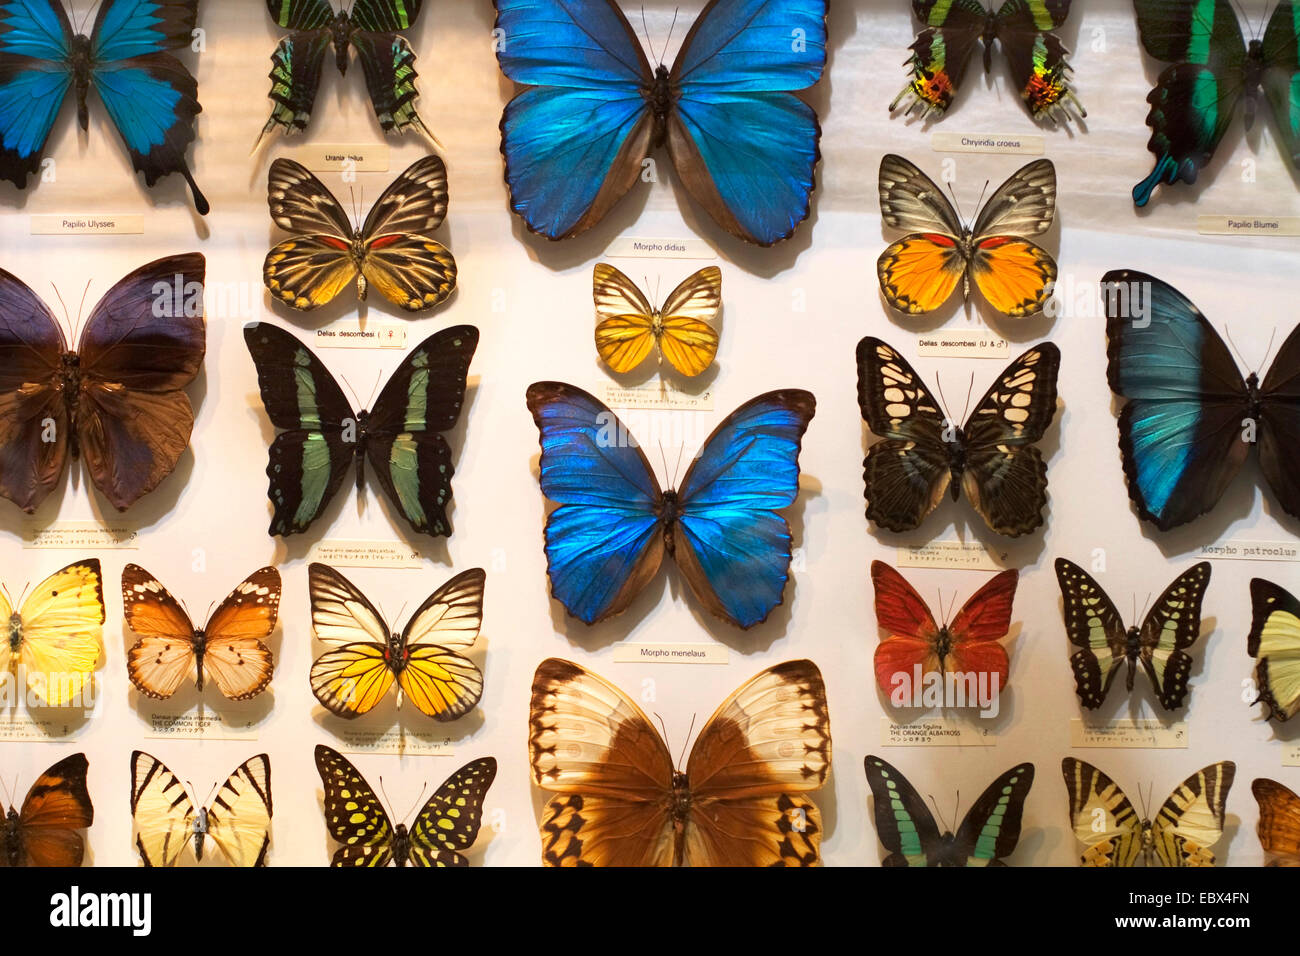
148 93
575 141
1191 419
606 539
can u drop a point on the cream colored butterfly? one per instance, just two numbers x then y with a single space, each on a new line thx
56 633
238 820
628 327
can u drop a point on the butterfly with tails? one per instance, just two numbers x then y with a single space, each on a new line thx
742 800
924 455
46 831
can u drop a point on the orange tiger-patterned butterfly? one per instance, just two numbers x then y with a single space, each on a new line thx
231 649
919 272
46 831
742 800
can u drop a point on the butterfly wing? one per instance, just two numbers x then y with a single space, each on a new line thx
163 654
1103 818
1172 625
142 345
389 65
1191 820
438 679
908 472
62 623
905 616
449 823
1274 642
239 820
574 140
732 545
57 807
1094 626
297 61
31 359
991 828
353 814
604 541
763 750
919 272
308 460
1037 57
1181 431
1279 821
1279 424
164 816
625 320
404 445
1282 55
904 825
983 621
745 147
1015 275
353 678
940 53
35 76
1196 97
236 656
1005 478
407 267
689 342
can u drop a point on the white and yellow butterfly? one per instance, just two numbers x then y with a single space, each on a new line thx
628 327
167 821
1274 642
1113 834
56 633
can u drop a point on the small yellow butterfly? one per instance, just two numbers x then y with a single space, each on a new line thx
56 634
628 327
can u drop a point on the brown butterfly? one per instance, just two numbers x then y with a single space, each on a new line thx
1279 821
45 832
620 802
230 648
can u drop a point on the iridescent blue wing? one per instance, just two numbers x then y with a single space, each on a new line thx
35 42
1182 431
745 147
603 542
733 546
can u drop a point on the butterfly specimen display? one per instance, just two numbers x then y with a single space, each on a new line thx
167 821
53 639
443 830
906 828
581 133
1191 419
1274 642
424 660
322 437
628 327
919 272
391 251
1212 71
1023 28
149 95
742 799
924 455
230 648
1279 821
373 28
46 831
1159 644
1113 834
606 540
917 646
118 401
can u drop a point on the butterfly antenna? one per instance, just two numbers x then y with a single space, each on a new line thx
649 42
663 728
938 385
1268 350
939 813
1240 358
411 812
956 203
970 390
677 466
956 807
672 26
689 730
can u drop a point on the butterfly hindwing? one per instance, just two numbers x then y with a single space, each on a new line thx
1274 642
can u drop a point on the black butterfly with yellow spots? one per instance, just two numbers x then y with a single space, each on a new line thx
447 825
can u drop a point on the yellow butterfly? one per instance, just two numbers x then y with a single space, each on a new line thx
628 327
56 635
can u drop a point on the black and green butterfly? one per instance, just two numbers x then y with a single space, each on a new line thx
446 826
323 437
906 827
386 57
1212 71
1094 626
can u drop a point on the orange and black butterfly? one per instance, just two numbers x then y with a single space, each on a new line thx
46 832
231 649
1279 821
919 272
742 800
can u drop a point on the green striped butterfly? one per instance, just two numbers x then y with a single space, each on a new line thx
906 827
323 437
1274 642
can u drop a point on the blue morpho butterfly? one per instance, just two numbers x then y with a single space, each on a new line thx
1191 419
608 536
576 140
149 95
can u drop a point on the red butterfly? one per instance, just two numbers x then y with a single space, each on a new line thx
969 645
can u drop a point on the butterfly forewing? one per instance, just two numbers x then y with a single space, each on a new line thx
1104 819
904 825
62 624
300 203
1279 424
991 829
449 823
353 814
1279 821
